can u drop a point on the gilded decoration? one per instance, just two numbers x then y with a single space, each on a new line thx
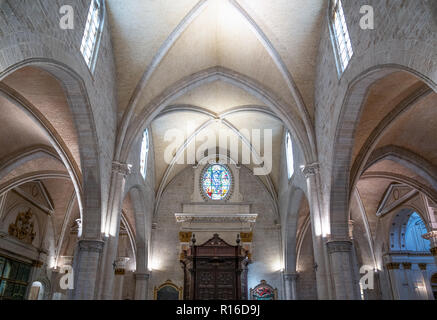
22 229
185 236
246 236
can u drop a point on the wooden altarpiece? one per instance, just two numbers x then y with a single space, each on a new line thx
215 270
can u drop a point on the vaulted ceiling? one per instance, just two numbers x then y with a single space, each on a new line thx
160 43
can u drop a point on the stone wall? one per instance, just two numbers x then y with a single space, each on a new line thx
395 41
30 34
266 244
306 286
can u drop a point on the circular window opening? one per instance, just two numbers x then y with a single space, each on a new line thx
216 181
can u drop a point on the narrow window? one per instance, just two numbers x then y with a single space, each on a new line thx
144 153
90 36
342 42
289 155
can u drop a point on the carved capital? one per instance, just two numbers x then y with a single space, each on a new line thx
123 169
392 265
422 266
91 245
406 265
293 276
142 276
310 170
339 246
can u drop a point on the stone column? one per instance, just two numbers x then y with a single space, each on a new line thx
407 277
344 281
112 227
425 290
86 267
290 280
393 273
141 286
311 173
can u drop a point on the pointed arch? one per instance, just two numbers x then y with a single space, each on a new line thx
88 187
352 106
193 81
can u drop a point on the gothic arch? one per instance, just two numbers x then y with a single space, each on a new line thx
79 104
398 226
406 158
21 157
261 36
282 109
350 113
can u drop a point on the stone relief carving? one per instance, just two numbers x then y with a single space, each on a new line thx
22 229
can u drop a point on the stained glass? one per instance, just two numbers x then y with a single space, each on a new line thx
216 181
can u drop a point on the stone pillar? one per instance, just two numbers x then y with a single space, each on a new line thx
112 227
311 173
290 280
393 273
141 286
86 268
344 281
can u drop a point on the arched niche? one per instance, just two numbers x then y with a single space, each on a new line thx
406 232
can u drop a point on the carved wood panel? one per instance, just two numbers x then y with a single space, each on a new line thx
213 271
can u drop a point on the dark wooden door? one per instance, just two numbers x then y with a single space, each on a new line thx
216 279
215 270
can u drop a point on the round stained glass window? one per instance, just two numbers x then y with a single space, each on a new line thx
216 181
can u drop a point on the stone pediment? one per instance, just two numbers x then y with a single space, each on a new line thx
395 195
36 193
216 241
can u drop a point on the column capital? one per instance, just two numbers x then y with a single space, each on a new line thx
406 265
124 169
310 169
392 265
339 246
142 276
91 245
422 266
292 276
